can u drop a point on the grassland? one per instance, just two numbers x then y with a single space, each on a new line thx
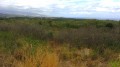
59 42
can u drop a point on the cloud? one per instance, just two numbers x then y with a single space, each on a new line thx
63 7
81 13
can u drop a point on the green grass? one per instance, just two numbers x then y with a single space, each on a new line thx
115 63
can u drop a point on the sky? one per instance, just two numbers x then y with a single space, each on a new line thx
101 9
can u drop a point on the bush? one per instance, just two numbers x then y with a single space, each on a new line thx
109 25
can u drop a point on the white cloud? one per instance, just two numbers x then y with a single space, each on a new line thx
70 6
76 13
28 3
109 3
108 6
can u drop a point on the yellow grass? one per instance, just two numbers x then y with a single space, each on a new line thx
50 60
51 56
41 58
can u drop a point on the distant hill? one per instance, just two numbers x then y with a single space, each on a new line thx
10 15
7 15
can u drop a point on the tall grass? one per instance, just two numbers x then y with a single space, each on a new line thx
23 57
35 42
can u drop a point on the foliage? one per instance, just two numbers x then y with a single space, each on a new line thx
53 42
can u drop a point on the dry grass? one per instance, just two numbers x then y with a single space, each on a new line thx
50 60
51 56
40 58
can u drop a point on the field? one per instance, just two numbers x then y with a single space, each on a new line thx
59 42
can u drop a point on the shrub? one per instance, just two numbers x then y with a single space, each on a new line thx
109 25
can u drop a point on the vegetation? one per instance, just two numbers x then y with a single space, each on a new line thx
59 42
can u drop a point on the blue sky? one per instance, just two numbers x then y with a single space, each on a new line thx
101 9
